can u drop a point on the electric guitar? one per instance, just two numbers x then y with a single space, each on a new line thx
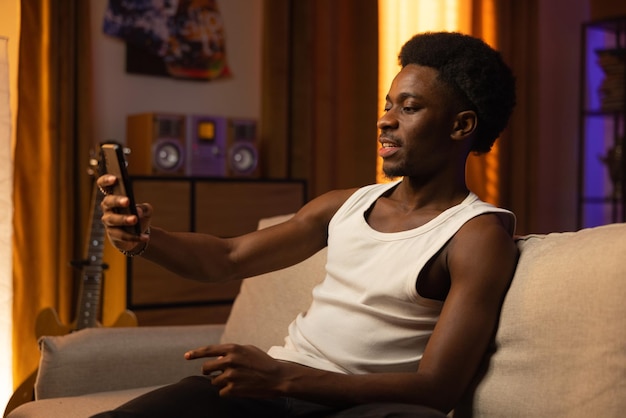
88 308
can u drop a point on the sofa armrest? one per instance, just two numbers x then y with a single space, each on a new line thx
104 359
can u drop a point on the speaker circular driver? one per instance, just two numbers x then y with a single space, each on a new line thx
243 159
168 156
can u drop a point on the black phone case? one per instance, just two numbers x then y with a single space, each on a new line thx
115 164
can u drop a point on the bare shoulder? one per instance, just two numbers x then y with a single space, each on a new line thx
323 208
308 227
483 247
485 228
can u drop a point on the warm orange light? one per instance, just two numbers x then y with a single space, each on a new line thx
398 21
401 19
492 158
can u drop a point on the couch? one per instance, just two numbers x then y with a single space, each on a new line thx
559 351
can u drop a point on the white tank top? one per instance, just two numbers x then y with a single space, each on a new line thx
366 316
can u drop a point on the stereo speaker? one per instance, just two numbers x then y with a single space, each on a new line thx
222 147
157 144
243 154
206 146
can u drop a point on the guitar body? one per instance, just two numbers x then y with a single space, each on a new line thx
126 319
48 323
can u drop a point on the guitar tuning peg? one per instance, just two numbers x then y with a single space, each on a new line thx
93 166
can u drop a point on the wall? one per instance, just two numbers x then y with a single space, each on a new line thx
117 94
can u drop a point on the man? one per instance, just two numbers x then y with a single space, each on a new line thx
416 274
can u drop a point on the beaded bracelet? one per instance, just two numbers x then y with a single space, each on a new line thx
137 252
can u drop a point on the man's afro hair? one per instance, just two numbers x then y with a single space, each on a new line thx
475 71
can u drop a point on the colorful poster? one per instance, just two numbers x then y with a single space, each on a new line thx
176 38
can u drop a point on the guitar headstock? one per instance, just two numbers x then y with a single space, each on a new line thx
96 163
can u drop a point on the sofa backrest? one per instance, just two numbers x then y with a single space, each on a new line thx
560 349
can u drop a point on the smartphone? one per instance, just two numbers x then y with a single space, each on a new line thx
114 162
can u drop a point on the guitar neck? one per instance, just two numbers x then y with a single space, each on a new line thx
92 269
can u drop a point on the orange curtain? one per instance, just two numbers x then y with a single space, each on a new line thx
319 92
483 175
51 189
518 40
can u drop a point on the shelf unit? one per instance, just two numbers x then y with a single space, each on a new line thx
602 120
225 207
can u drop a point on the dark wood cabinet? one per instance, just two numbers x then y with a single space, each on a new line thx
222 207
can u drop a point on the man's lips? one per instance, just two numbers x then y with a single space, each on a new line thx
387 147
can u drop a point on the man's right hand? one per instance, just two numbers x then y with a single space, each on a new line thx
113 222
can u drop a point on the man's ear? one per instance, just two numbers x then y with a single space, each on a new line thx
465 124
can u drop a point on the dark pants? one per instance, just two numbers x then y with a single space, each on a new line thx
196 397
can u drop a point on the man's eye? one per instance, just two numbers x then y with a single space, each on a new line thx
409 109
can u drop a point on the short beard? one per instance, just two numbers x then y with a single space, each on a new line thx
392 174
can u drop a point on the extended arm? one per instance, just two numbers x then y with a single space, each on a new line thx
209 258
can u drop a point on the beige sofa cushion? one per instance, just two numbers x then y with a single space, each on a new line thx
561 343
103 359
287 290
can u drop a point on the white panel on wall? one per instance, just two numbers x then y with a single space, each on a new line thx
6 228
